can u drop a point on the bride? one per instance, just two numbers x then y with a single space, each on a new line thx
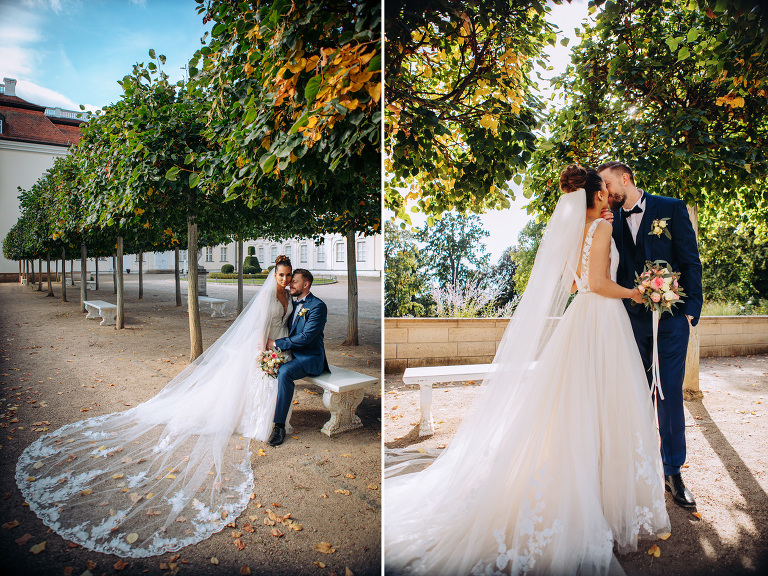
177 468
558 459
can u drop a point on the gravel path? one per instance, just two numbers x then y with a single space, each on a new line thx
59 367
727 467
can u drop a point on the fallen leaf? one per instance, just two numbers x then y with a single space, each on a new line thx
120 565
297 527
214 560
132 537
37 548
37 465
697 514
239 544
91 565
654 551
261 452
135 497
372 487
664 536
350 476
277 532
275 504
174 558
236 534
117 476
268 522
73 545
248 528
11 524
23 539
68 570
346 455
245 571
324 548
324 495
86 492
348 572
345 492
163 566
319 564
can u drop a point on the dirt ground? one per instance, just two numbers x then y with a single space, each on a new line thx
59 367
727 467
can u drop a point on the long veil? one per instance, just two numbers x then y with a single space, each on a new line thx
422 507
165 474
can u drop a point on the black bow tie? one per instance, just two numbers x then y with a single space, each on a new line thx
300 301
635 210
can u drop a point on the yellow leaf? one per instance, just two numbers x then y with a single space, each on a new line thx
31 478
350 476
324 548
171 477
697 514
344 492
374 90
654 551
245 571
372 487
261 452
319 564
214 560
664 536
37 548
132 537
117 476
37 465
86 492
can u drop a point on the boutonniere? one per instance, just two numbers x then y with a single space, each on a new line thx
659 227
303 311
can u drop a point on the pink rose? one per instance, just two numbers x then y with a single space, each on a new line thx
677 297
675 284
658 282
642 289
274 355
647 283
655 297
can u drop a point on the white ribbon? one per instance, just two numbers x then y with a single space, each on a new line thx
656 384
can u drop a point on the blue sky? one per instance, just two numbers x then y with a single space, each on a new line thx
71 52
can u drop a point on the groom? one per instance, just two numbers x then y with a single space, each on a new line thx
634 213
305 341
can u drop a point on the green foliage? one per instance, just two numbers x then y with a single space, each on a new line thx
461 109
405 283
453 250
227 269
676 90
501 279
524 253
251 250
253 263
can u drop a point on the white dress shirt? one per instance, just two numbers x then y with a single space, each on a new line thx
634 220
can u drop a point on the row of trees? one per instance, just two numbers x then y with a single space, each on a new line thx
275 134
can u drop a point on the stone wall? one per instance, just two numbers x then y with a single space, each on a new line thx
444 341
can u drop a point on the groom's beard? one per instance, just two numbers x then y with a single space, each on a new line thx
616 203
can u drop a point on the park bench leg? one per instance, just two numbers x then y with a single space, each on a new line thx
427 425
218 309
93 312
109 317
342 406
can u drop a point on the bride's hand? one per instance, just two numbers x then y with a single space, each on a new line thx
637 296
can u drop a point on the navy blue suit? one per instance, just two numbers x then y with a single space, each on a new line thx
682 254
305 341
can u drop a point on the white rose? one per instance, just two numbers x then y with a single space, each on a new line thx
669 295
662 224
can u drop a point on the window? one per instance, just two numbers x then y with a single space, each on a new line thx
340 252
143 257
2 123
183 255
303 254
321 252
224 254
288 250
261 255
273 254
360 250
209 254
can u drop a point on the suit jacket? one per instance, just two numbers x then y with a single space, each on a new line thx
681 251
305 339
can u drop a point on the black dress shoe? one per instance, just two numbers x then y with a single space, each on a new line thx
680 494
277 437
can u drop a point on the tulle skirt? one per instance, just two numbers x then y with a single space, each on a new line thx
572 469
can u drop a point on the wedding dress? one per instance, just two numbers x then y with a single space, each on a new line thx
173 470
558 458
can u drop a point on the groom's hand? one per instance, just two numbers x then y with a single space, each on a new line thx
270 344
607 214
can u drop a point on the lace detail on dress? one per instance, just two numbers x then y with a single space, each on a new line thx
582 282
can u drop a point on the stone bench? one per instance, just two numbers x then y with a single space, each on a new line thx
104 310
427 376
343 390
217 305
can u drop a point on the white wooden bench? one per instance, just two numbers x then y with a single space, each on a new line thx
429 375
104 310
343 390
217 305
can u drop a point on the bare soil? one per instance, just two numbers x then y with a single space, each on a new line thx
727 467
59 368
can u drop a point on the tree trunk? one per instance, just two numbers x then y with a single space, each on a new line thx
96 266
28 277
57 271
193 306
352 335
21 272
239 276
83 278
141 278
32 275
120 322
50 286
63 274
177 275
114 274
691 382
39 274
72 272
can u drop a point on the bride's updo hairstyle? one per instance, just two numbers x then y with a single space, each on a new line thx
574 177
283 260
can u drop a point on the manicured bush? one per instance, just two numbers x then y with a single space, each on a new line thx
227 269
253 263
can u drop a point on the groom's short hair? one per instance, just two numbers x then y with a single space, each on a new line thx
620 166
306 274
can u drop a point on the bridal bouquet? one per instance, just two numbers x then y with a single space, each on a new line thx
660 287
271 360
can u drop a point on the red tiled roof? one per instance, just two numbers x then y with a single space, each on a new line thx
25 122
